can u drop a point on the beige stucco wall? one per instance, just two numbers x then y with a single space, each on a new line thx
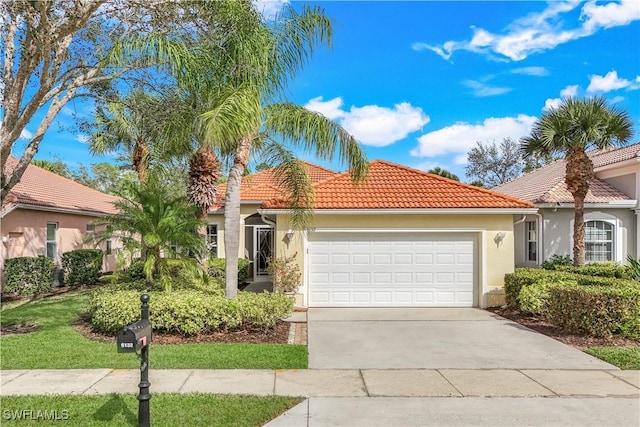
25 232
218 218
493 260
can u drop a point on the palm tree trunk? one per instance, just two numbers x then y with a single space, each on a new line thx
140 160
232 216
579 256
578 178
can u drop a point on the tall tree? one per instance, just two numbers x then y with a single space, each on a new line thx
443 172
494 164
576 126
277 51
54 51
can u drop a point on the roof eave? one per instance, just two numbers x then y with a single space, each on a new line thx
428 211
97 214
620 204
628 162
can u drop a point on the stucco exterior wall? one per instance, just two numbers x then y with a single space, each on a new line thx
218 219
494 259
557 232
25 232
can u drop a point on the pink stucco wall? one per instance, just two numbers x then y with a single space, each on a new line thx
24 233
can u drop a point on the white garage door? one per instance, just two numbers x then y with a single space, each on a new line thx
391 269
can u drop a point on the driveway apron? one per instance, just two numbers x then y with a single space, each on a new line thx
432 338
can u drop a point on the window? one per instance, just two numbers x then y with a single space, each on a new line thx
212 239
91 228
108 248
598 237
52 242
532 241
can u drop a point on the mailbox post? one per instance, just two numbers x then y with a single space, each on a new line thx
132 338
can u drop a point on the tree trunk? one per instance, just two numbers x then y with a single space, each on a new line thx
578 178
141 160
578 231
232 216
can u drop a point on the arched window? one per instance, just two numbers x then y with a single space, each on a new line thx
599 242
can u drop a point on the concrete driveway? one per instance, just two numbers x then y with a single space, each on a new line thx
432 338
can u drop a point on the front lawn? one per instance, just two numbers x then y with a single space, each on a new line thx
622 357
57 345
165 409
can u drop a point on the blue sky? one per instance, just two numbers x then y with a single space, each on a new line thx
418 83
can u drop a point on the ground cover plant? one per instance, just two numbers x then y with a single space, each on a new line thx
166 409
56 343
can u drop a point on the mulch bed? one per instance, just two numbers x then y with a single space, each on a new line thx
18 328
276 335
580 342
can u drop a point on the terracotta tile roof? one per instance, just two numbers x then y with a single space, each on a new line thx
392 186
40 188
614 155
546 185
264 185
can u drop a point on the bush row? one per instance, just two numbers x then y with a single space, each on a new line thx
82 267
600 306
187 311
216 266
28 275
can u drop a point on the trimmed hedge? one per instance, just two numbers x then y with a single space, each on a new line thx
599 269
534 298
513 282
28 275
187 311
597 310
82 267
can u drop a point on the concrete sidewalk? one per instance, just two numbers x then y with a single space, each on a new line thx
332 383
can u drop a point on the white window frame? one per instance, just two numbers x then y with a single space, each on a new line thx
54 254
611 241
528 240
618 226
212 247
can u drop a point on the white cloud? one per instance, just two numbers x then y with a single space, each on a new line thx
531 71
610 82
373 125
25 134
481 89
461 137
82 138
542 31
270 8
568 92
330 109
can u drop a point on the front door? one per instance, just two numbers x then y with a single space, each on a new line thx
263 251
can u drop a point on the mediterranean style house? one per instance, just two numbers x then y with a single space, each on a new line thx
46 214
612 210
402 238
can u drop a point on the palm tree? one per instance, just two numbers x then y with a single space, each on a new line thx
277 50
129 123
576 126
154 222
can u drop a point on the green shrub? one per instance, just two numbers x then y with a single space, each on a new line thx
534 298
28 275
82 266
264 309
600 269
633 268
597 310
556 261
514 282
135 271
216 266
186 311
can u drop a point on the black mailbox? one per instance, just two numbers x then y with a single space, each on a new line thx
133 337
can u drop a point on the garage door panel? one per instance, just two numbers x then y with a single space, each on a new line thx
391 269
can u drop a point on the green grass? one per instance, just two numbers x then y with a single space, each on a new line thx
56 345
622 357
165 409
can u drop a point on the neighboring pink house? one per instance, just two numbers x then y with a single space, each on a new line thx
47 215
